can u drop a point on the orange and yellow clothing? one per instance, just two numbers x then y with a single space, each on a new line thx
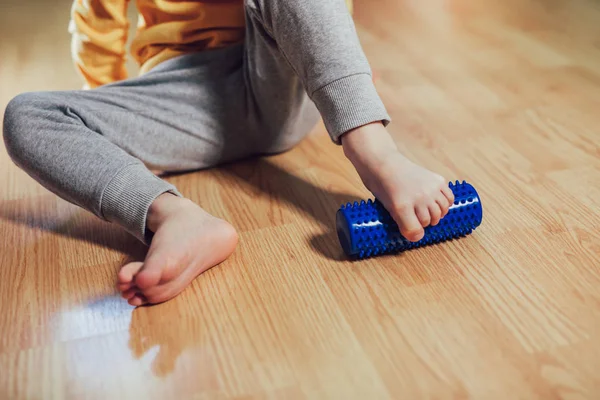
165 29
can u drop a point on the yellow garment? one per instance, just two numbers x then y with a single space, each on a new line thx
165 29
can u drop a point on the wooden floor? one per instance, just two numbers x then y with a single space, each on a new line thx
504 94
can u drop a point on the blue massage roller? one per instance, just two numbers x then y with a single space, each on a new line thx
367 229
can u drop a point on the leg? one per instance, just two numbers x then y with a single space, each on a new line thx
319 41
95 148
90 149
56 139
310 48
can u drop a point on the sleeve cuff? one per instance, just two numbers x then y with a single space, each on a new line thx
348 103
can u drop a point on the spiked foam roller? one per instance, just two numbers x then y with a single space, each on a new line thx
366 229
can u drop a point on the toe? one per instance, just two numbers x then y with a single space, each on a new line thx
165 292
128 271
121 287
154 272
129 293
170 289
137 300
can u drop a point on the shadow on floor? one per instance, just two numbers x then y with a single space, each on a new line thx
320 205
316 203
45 213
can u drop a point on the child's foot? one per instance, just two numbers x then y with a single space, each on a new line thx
414 196
187 242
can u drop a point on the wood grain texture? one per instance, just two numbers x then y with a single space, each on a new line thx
502 94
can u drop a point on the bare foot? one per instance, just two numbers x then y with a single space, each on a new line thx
415 197
187 242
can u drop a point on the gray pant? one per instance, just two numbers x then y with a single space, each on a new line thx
95 149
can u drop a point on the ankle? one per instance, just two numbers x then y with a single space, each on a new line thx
368 143
163 206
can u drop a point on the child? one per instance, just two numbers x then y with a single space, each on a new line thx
220 80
